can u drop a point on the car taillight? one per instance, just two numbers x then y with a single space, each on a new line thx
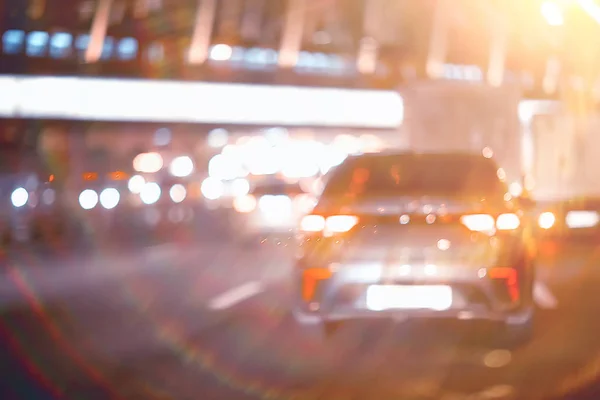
340 223
479 222
486 223
310 279
332 224
510 277
312 223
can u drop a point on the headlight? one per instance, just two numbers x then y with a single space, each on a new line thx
275 207
582 219
546 220
479 222
240 187
212 188
181 166
148 162
136 184
88 199
178 193
109 198
508 222
19 197
150 193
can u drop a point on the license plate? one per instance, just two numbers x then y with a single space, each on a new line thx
433 297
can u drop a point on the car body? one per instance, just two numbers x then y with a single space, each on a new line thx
398 235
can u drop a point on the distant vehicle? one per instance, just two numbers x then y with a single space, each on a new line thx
577 218
273 206
415 235
30 201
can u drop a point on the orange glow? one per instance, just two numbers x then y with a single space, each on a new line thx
51 178
510 275
118 176
90 176
310 278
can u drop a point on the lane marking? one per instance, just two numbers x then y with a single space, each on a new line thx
543 296
236 295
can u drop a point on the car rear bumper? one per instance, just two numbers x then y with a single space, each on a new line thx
479 313
340 290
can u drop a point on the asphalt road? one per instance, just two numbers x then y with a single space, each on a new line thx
208 321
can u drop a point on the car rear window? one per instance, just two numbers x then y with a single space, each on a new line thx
415 174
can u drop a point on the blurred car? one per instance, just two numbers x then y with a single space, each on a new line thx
141 194
415 235
272 207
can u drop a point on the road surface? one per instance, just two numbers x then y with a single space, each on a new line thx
208 321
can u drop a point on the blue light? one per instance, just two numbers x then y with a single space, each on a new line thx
127 49
60 45
107 48
12 41
36 43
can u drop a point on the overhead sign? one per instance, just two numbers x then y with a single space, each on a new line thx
196 102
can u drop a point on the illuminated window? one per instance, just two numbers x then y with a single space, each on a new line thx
60 45
305 60
260 58
271 56
337 63
81 44
108 47
237 55
321 61
37 42
254 56
12 41
127 49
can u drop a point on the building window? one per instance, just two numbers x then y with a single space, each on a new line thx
81 44
37 42
60 45
127 49
12 41
108 48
